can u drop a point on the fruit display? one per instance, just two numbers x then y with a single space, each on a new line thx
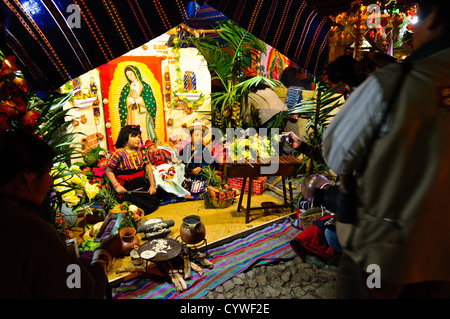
222 198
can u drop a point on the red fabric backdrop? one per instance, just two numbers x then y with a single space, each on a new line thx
107 73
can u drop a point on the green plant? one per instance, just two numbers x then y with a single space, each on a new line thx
279 122
318 110
107 198
21 109
92 157
52 126
127 221
211 180
228 58
211 177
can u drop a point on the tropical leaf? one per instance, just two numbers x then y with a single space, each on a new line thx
318 110
228 57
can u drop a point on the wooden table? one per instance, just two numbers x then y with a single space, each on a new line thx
288 166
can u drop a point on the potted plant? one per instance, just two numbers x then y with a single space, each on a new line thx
228 58
216 196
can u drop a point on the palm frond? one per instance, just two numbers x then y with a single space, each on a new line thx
318 110
228 57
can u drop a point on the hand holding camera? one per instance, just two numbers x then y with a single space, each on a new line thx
291 139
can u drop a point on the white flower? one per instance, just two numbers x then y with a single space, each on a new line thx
133 208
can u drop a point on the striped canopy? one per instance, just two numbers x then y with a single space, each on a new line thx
205 18
58 40
293 27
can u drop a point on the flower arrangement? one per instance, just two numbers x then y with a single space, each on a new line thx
15 110
184 96
84 184
251 148
74 186
21 109
100 170
131 214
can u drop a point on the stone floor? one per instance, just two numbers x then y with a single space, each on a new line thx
293 279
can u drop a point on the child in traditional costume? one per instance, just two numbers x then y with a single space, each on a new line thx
161 159
196 156
130 173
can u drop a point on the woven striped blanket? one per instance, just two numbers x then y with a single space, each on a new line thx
265 246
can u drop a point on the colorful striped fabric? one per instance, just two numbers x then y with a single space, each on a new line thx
265 246
122 160
58 40
205 18
293 27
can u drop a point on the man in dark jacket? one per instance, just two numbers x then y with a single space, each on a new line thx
393 134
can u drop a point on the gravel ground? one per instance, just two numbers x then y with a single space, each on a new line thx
293 279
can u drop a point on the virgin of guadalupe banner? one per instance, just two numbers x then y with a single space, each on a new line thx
272 63
132 87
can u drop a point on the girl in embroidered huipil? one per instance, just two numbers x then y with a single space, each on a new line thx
128 170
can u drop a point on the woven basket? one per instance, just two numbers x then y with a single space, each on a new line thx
222 203
312 214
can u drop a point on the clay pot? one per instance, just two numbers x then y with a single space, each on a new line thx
129 239
192 231
311 183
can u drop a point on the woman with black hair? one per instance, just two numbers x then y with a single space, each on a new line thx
391 141
128 170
